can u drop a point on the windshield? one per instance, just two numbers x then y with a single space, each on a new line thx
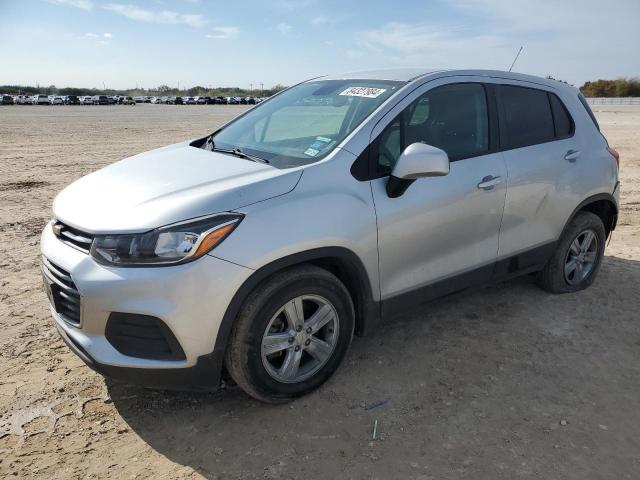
306 122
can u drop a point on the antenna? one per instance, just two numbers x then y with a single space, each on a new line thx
514 60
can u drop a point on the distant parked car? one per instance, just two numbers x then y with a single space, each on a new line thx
56 100
87 100
41 100
7 100
101 100
233 100
126 101
72 100
189 101
220 100
177 100
139 99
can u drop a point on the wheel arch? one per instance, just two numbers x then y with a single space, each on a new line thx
340 261
603 205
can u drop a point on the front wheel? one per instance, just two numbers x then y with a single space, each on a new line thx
291 335
576 261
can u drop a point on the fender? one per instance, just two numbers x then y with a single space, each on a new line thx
595 198
357 282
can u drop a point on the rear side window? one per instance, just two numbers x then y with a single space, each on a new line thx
586 106
561 118
528 119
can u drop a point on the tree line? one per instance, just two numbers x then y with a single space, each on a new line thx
162 90
622 87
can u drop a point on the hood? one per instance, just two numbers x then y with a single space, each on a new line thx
165 186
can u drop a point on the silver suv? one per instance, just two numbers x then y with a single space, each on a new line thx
259 250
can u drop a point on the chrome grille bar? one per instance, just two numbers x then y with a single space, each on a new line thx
64 295
72 236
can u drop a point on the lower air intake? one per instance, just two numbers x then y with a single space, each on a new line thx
142 336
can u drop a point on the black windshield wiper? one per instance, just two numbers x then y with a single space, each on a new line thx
239 153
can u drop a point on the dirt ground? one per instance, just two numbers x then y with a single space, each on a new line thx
502 382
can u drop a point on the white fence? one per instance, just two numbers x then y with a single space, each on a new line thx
614 101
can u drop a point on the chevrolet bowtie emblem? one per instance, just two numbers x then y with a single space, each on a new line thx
57 229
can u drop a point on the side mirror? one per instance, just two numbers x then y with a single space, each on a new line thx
416 161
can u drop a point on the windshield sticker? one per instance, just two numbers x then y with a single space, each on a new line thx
311 152
366 92
320 143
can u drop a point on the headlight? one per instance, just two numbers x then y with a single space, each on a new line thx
177 243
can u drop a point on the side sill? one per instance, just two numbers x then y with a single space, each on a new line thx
521 264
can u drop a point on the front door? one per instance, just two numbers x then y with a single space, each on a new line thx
441 227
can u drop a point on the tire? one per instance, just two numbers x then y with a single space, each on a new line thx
554 277
271 310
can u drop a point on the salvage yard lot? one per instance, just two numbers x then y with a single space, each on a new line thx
500 382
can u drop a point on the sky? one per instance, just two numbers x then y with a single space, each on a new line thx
91 43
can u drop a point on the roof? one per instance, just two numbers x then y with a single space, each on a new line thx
397 74
410 74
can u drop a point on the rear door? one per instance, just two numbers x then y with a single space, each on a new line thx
543 161
440 227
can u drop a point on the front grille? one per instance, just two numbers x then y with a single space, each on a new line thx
62 292
142 336
72 236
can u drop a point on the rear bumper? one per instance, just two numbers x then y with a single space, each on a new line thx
616 196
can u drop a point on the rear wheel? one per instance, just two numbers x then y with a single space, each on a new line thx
291 334
576 261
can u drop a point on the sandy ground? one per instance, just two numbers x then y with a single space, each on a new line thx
498 383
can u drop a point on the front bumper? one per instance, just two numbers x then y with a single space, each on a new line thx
191 299
203 376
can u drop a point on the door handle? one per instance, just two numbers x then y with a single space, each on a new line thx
572 155
489 182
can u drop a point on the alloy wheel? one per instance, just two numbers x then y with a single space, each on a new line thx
300 338
581 257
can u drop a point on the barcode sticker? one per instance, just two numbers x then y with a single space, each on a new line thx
367 92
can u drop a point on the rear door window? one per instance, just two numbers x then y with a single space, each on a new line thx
527 116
